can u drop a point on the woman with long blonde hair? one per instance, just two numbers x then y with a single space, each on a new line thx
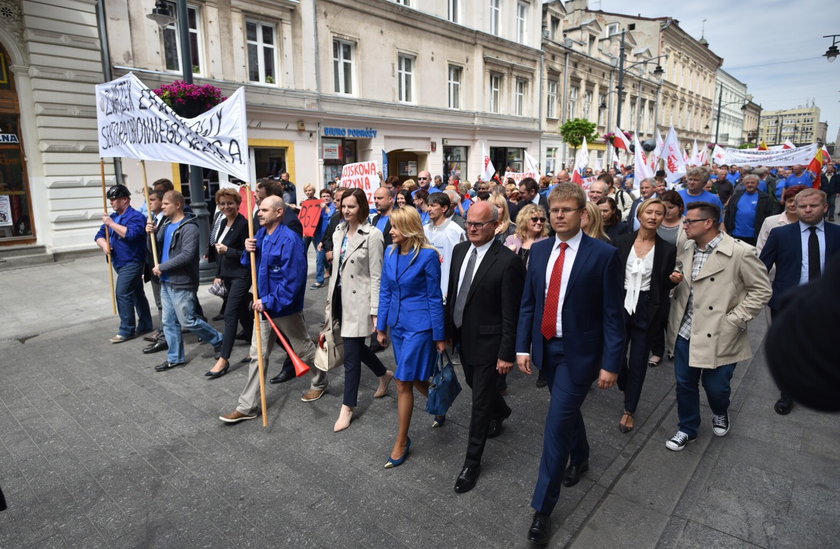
411 305
592 222
505 227
531 227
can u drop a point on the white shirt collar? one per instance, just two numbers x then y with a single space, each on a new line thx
573 242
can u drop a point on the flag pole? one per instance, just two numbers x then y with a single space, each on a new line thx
255 294
108 238
151 215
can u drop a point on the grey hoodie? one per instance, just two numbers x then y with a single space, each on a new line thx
182 267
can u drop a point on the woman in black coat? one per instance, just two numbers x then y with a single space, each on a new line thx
230 243
648 262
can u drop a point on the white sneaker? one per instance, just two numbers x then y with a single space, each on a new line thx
679 441
720 425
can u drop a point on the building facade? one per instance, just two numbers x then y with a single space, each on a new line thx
800 125
730 98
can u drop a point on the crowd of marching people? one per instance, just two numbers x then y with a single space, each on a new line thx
577 285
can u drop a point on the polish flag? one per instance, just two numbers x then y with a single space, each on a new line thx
581 161
788 144
620 141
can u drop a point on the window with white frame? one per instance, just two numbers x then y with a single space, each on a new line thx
573 99
495 92
587 104
612 28
519 96
551 99
172 41
405 78
495 17
454 85
453 13
262 52
550 159
343 65
602 113
521 21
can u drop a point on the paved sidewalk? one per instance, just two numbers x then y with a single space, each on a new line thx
99 450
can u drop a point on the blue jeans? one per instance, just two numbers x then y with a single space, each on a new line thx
715 382
178 311
131 297
320 265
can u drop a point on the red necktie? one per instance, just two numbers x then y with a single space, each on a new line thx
552 299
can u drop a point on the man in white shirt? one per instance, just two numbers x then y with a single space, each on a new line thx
443 233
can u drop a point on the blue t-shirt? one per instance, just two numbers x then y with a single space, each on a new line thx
734 178
762 186
745 216
168 231
705 196
807 179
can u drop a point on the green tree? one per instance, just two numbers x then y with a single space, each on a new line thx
573 132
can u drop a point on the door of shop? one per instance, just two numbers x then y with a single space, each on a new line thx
16 225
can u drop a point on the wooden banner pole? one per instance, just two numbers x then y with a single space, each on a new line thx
153 237
108 238
255 292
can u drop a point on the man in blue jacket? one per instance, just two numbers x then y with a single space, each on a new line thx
127 248
177 240
281 283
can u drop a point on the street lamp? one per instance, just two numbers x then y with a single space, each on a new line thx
622 55
721 104
832 52
163 17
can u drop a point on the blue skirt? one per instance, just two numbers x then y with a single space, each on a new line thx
415 354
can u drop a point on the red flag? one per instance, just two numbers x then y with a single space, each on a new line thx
816 166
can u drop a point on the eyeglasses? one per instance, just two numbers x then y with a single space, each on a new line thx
422 178
538 219
565 211
477 225
687 221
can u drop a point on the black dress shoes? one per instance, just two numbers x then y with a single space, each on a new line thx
539 532
467 479
214 375
167 366
159 345
783 405
495 428
283 376
574 472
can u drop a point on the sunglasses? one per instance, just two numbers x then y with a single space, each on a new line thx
538 219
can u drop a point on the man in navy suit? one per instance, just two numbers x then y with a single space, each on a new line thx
571 325
800 251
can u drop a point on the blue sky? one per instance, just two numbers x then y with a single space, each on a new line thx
775 47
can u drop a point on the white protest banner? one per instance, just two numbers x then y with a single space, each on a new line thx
519 176
133 122
362 175
784 157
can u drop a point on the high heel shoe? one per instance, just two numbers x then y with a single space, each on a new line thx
382 390
391 463
344 418
215 375
625 425
438 422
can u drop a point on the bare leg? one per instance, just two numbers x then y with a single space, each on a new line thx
405 405
422 387
220 365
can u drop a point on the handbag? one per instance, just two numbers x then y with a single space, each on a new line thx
332 353
443 387
218 289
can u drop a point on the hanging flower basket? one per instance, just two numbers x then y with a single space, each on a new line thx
190 100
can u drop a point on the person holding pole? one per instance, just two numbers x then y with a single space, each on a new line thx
177 240
157 339
281 284
121 237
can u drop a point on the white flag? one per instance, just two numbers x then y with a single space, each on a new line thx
695 155
531 164
718 155
487 168
641 170
133 122
581 161
673 156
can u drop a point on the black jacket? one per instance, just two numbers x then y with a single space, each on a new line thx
664 260
328 234
230 265
766 207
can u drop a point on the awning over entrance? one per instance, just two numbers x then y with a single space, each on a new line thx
413 144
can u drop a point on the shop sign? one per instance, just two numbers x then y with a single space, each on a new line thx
366 133
331 151
8 138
